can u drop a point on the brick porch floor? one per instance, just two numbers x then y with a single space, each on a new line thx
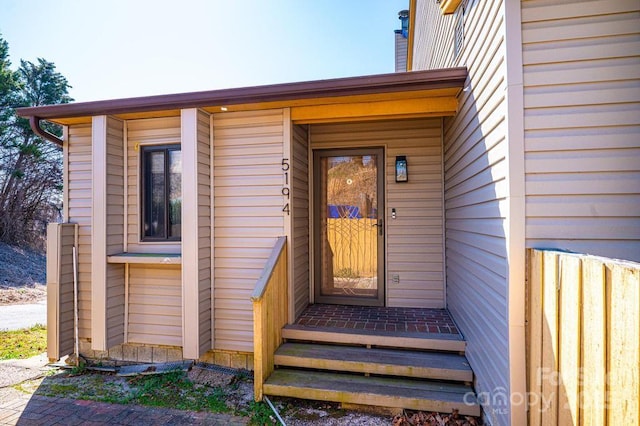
411 320
44 411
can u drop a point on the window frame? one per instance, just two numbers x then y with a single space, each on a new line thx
459 29
144 149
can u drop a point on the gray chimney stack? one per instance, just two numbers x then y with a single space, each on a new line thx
401 41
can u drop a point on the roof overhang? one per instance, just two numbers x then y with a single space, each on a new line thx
383 96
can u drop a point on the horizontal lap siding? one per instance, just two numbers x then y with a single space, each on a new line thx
475 172
204 230
141 132
415 237
300 206
414 240
65 288
248 180
115 232
155 291
155 305
582 126
79 195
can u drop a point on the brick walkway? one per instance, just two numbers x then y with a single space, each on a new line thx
411 320
41 410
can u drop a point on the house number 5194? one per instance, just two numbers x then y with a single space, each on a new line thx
285 189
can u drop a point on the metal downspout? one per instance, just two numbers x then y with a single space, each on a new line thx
35 126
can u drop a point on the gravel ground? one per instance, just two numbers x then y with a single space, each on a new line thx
14 371
22 275
295 412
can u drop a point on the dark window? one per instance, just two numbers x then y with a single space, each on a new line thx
161 192
458 37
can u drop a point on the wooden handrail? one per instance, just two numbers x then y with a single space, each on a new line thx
267 271
270 313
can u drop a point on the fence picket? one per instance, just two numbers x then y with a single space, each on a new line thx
624 357
549 339
583 339
535 331
569 340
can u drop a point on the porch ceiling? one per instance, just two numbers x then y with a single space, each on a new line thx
384 96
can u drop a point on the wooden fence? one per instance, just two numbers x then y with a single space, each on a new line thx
270 304
583 340
354 243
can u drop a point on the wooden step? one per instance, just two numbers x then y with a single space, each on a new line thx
370 390
422 341
428 365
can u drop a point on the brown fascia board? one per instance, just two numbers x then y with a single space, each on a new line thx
380 83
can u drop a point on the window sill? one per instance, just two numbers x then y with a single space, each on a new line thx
146 258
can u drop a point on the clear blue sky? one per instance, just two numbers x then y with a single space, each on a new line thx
123 48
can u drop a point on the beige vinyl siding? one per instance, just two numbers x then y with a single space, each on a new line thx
433 38
66 296
107 280
155 131
300 208
60 286
476 186
196 233
414 240
582 126
248 180
115 291
204 230
78 165
155 305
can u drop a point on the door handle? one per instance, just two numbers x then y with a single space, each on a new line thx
380 225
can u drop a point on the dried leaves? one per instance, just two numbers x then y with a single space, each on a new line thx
421 418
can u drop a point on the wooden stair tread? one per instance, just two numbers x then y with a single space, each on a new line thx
369 390
433 365
424 341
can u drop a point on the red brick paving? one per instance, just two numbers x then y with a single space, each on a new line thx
41 410
411 320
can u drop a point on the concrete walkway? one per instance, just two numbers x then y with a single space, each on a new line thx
16 317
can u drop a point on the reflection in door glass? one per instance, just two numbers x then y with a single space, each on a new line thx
348 231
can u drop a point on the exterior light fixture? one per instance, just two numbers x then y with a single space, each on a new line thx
402 171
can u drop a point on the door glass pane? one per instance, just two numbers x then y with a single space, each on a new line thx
175 193
348 232
155 195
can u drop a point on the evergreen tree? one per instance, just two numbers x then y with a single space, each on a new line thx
30 167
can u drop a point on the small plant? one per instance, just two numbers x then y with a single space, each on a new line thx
260 414
175 390
78 370
215 401
25 343
63 388
23 387
346 273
